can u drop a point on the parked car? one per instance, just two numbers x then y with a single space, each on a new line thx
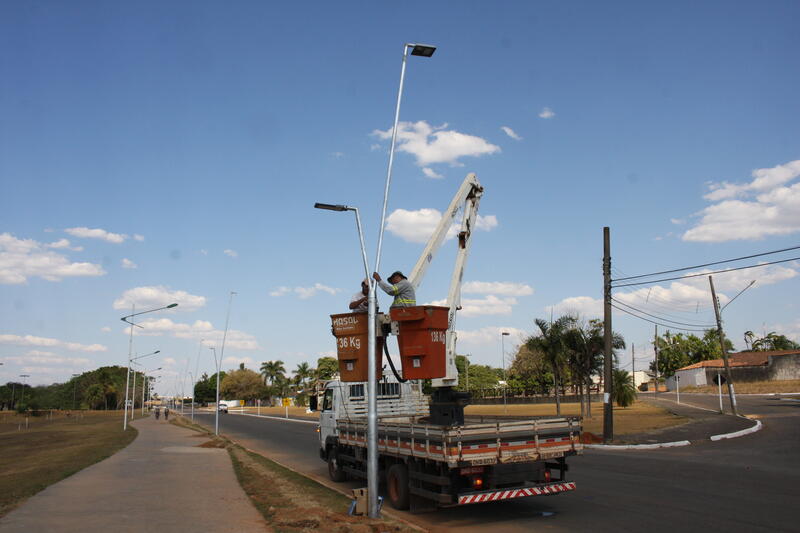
223 408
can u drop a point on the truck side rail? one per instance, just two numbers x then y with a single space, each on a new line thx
477 444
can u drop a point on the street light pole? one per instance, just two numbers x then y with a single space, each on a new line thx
22 396
130 354
503 336
421 50
192 380
216 415
731 391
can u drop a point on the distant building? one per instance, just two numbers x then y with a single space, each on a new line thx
776 365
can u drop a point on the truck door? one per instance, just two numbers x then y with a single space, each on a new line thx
327 417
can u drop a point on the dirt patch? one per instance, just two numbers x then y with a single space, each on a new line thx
282 495
213 443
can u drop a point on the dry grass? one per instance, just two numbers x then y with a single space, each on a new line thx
276 411
287 500
53 448
638 418
756 387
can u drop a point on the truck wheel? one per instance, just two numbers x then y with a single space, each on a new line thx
334 468
397 485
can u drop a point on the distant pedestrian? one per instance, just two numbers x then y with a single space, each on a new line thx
166 413
158 412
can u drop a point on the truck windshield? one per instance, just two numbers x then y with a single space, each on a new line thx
327 401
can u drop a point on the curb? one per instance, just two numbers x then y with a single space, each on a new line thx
639 446
757 427
741 433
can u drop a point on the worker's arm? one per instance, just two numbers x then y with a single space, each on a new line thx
356 303
391 290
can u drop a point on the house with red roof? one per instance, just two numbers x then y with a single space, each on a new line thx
772 365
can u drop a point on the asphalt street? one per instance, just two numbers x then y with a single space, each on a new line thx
744 484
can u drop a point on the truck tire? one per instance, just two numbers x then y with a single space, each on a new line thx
334 468
397 486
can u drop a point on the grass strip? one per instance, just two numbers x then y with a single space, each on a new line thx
755 387
288 500
53 447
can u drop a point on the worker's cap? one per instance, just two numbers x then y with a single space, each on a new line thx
398 273
365 281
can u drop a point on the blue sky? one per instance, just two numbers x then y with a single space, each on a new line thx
154 152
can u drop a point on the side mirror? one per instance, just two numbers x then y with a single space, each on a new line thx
313 403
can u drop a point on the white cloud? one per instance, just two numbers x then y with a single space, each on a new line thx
678 221
137 237
158 296
127 263
169 361
105 329
204 251
511 133
64 244
24 258
236 360
546 113
337 155
304 293
490 335
791 330
230 253
97 233
30 340
200 329
767 205
36 357
490 305
583 305
432 145
506 288
418 226
430 173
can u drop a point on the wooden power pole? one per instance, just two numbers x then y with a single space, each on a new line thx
608 385
731 392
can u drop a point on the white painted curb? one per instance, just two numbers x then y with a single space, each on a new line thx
741 433
638 446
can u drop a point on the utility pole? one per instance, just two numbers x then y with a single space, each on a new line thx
608 386
633 364
731 392
655 347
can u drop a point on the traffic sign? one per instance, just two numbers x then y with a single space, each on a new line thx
719 378
287 402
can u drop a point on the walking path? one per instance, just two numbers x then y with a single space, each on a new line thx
161 482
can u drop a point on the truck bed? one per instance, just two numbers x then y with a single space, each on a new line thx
474 443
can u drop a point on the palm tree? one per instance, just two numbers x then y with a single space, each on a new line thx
302 373
272 371
587 346
551 344
623 390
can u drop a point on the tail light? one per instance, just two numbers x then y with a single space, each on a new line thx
477 483
547 475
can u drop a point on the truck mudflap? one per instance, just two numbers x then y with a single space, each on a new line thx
497 495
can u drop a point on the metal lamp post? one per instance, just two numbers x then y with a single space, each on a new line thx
192 381
133 388
146 384
216 415
503 336
421 50
221 354
130 353
22 395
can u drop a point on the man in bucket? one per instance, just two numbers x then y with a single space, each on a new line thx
399 287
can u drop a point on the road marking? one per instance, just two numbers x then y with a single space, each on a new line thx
638 446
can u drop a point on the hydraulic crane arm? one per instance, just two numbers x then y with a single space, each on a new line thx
468 197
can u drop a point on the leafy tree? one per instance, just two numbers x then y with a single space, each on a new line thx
205 390
242 384
550 342
272 371
302 373
94 396
623 391
586 346
678 350
773 341
327 367
530 371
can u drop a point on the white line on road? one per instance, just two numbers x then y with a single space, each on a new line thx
278 418
741 433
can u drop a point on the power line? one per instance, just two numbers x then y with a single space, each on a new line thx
707 273
652 321
662 318
707 264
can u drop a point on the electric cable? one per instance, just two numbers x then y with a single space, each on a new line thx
652 321
707 273
708 264
662 318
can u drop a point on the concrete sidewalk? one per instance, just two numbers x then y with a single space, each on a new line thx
162 482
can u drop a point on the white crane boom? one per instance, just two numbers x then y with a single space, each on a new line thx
468 196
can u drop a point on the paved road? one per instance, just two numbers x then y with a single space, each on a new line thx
747 484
